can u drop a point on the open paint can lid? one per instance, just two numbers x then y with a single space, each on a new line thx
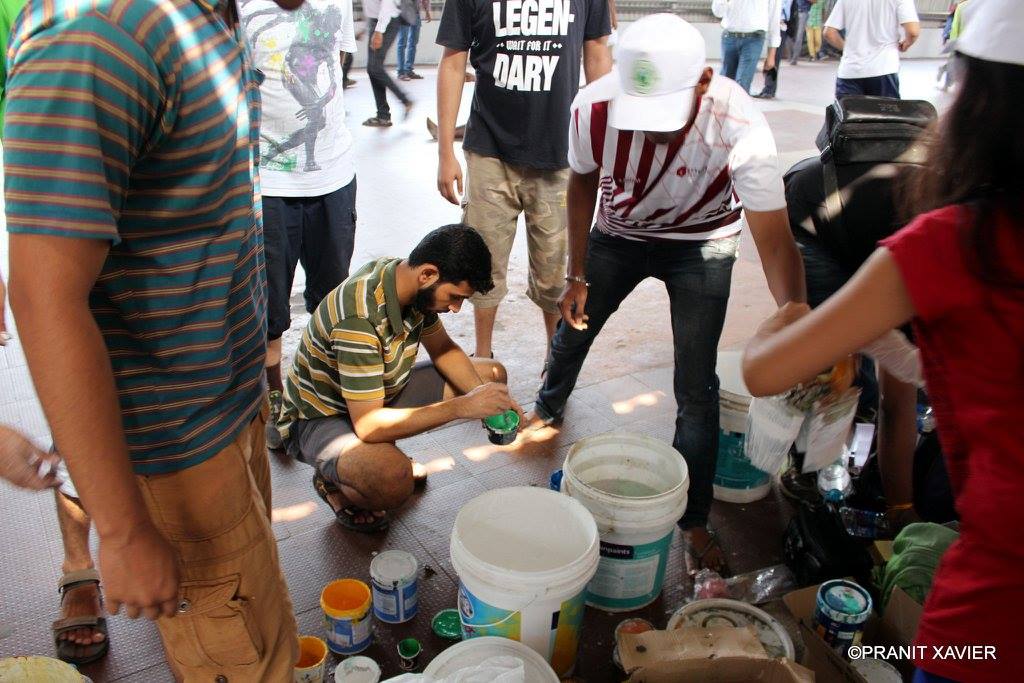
447 624
394 568
357 670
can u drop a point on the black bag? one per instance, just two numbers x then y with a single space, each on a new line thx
817 548
408 12
865 143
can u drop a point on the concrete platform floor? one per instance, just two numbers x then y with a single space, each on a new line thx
625 385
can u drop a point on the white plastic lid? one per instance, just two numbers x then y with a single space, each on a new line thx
475 651
357 670
394 566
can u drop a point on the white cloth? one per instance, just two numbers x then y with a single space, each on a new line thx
748 16
873 33
381 10
690 195
305 145
894 353
501 669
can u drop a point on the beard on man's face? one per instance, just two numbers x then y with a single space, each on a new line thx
426 299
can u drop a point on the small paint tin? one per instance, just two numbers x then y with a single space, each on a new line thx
394 575
840 613
502 428
408 653
348 616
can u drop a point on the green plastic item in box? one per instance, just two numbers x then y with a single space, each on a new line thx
503 422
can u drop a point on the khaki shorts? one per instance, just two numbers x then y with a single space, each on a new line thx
496 193
239 622
320 441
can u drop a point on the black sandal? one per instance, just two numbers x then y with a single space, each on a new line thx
377 122
346 516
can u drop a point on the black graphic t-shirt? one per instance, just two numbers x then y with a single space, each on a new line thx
527 57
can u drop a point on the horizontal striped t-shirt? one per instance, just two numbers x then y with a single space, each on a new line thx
359 345
136 122
690 189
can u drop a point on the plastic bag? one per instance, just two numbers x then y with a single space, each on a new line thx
756 587
772 427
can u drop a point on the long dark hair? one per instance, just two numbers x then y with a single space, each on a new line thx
976 157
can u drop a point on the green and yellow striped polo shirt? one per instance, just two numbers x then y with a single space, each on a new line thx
359 345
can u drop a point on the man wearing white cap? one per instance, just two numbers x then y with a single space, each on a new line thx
668 146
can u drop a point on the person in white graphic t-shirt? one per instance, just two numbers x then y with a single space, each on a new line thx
675 155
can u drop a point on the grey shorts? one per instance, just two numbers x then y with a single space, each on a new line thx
319 442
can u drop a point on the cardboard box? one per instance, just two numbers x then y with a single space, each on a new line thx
716 655
896 628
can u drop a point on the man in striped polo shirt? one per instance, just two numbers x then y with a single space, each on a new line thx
668 146
355 387
137 281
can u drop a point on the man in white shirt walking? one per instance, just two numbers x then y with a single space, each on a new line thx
746 25
307 165
382 25
871 49
666 146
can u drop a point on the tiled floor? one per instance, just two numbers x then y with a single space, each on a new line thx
626 385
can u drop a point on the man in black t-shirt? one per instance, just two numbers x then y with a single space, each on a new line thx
527 56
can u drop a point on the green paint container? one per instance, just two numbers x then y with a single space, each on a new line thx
502 428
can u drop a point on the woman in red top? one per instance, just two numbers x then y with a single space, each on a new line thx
957 272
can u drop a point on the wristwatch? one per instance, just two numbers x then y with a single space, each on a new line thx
579 279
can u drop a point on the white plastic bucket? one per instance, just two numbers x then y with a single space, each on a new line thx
393 577
474 652
524 557
736 479
635 487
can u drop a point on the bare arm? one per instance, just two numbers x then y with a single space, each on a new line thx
597 58
581 198
451 76
834 38
613 14
51 278
784 351
780 258
912 31
451 361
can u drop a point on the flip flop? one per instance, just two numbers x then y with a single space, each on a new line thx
377 122
346 516
66 650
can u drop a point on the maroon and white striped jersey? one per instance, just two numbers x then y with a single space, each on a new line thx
690 189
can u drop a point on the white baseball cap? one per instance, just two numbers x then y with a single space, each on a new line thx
660 59
993 30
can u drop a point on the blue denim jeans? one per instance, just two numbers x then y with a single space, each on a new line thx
697 276
408 37
740 55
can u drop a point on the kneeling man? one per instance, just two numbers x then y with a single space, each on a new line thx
355 387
